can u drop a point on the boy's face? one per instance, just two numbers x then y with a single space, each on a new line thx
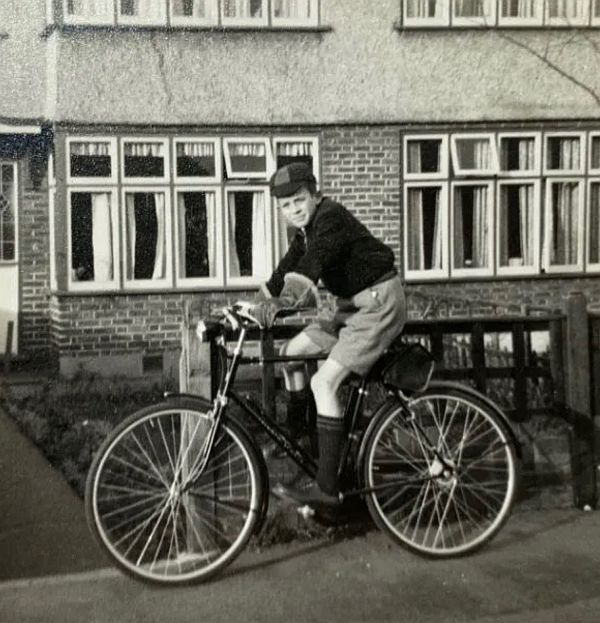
299 207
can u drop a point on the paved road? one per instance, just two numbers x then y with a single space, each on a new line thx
542 568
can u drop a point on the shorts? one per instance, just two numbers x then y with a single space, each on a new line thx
362 327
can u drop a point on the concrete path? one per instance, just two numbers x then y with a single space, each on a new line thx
42 523
542 568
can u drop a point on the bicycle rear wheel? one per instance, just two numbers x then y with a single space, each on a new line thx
451 473
153 509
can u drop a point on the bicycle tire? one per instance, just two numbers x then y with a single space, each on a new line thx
440 508
147 521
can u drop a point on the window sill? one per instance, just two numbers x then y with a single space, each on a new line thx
167 290
513 27
77 28
415 281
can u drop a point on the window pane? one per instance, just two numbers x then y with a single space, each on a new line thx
199 9
424 8
197 234
144 159
424 156
594 217
524 9
471 227
474 154
517 225
90 159
498 349
145 226
145 9
567 9
89 8
91 237
472 8
7 213
563 153
247 227
292 151
517 154
424 229
243 9
196 159
595 148
247 157
564 223
596 8
301 10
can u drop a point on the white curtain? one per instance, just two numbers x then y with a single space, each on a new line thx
260 263
154 150
294 149
595 223
565 221
480 227
565 8
526 222
595 163
211 232
200 8
414 157
149 9
131 233
526 154
242 8
102 237
569 153
519 8
196 150
481 154
255 150
159 257
90 149
234 262
90 8
416 238
293 9
471 8
424 8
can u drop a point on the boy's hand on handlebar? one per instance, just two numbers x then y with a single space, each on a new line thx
263 313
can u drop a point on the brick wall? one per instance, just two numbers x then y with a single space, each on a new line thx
34 264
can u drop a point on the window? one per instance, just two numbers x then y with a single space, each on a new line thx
474 154
147 238
564 153
100 12
426 13
521 13
294 12
594 163
563 240
194 12
567 12
517 227
141 12
248 157
425 157
247 240
593 226
92 239
595 13
474 12
199 246
244 12
91 160
145 160
519 154
8 216
471 228
197 160
140 218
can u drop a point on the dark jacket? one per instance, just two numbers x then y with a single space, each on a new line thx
336 248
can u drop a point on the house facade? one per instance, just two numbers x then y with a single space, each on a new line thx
137 139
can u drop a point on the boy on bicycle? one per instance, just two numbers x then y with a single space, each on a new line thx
330 245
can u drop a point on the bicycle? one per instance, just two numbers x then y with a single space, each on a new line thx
178 488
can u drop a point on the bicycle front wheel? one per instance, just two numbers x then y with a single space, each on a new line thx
443 473
160 509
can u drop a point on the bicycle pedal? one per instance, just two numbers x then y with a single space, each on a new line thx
306 511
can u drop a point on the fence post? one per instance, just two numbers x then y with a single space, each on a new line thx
578 398
195 363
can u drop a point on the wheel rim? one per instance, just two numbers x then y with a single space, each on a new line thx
451 499
157 515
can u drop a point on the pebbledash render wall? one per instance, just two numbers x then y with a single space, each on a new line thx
138 333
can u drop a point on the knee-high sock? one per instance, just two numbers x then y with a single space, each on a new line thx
331 438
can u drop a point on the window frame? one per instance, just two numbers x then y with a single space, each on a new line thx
252 281
537 137
135 20
590 169
245 22
443 174
474 22
16 206
429 274
519 270
92 286
427 22
148 284
473 272
165 179
200 282
195 181
314 140
178 20
253 175
86 21
591 267
584 20
517 22
566 172
563 268
459 171
92 181
287 22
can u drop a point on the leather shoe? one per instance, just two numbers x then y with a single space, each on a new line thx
310 494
